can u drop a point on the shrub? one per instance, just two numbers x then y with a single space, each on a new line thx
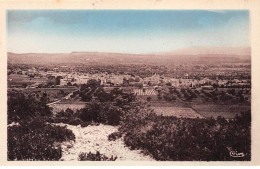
114 136
171 138
106 113
91 112
75 121
35 141
68 113
33 138
22 107
95 157
68 117
110 114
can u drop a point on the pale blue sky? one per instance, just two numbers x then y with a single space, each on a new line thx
124 31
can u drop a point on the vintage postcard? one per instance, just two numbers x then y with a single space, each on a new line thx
123 85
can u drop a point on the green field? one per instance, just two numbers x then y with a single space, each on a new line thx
53 94
15 79
226 111
63 106
177 111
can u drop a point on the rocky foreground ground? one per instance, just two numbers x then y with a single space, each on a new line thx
95 138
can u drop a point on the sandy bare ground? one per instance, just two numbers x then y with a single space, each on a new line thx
95 138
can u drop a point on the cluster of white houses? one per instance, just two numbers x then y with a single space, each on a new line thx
118 80
103 78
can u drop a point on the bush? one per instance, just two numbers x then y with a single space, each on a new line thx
68 113
36 141
91 113
111 114
175 139
68 117
25 107
104 113
33 138
95 157
114 136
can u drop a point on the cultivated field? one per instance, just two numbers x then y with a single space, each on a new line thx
15 79
177 111
53 94
226 111
145 92
63 106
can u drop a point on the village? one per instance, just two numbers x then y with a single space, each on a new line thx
132 85
68 78
203 95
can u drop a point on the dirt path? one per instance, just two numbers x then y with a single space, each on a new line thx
95 138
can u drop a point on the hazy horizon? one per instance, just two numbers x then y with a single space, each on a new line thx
124 31
155 53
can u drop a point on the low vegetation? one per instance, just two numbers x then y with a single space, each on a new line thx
114 136
30 135
95 157
179 139
163 138
171 138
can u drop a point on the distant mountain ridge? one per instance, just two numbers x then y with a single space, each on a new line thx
210 50
192 55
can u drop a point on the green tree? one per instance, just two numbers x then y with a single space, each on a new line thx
25 107
57 80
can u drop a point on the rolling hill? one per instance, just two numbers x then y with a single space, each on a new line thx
190 55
